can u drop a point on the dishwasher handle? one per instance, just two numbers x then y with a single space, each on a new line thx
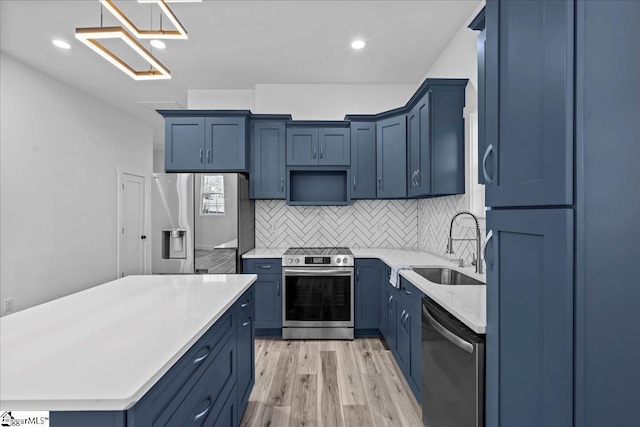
465 345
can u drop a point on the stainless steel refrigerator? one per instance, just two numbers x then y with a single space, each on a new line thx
201 223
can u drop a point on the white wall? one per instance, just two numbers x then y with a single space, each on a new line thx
330 102
306 102
60 150
221 99
458 60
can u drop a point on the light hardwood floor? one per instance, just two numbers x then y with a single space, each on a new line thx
329 384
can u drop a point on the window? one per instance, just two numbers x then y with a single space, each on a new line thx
212 193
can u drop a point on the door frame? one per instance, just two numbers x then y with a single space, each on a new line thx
145 218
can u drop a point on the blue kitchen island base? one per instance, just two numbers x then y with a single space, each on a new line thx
210 385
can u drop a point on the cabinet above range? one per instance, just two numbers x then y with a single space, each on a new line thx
311 143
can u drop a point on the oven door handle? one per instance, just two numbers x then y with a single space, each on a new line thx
317 272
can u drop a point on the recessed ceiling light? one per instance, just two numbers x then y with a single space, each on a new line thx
358 44
61 44
158 44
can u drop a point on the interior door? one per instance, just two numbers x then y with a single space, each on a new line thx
132 230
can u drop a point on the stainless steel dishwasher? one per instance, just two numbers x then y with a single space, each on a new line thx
452 370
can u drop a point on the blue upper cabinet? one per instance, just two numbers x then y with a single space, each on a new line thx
268 167
528 160
334 145
302 146
184 143
312 144
419 149
363 160
206 140
530 318
226 144
391 152
446 130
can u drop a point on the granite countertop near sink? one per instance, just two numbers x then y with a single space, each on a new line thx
467 303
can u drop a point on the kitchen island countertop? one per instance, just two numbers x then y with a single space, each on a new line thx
467 303
103 348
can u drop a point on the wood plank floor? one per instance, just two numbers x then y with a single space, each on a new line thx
329 384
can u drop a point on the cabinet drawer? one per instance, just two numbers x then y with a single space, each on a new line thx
155 407
263 266
245 304
411 294
210 393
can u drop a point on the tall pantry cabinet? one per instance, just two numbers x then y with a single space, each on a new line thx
561 147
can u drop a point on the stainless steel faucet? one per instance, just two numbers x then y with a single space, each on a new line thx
478 259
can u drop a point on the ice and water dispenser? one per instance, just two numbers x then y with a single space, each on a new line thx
174 243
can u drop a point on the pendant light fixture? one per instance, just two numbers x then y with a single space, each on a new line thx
179 33
92 36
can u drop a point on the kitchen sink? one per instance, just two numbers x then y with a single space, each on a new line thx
446 276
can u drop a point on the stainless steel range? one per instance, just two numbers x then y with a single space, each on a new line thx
317 293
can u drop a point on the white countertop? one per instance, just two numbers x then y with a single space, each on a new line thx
466 303
105 347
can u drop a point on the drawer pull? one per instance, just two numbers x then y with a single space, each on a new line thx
201 358
246 323
406 291
246 303
203 413
265 267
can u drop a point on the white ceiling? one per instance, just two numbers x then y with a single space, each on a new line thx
238 44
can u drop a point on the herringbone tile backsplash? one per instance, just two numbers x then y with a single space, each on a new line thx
434 218
406 224
365 223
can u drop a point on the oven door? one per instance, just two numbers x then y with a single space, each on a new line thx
317 297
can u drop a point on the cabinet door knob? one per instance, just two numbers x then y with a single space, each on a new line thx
143 237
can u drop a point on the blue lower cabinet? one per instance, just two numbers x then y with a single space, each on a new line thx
212 390
413 367
268 294
229 415
529 358
383 281
209 386
246 359
269 305
391 307
403 338
366 295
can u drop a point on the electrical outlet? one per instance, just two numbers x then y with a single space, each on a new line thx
8 305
